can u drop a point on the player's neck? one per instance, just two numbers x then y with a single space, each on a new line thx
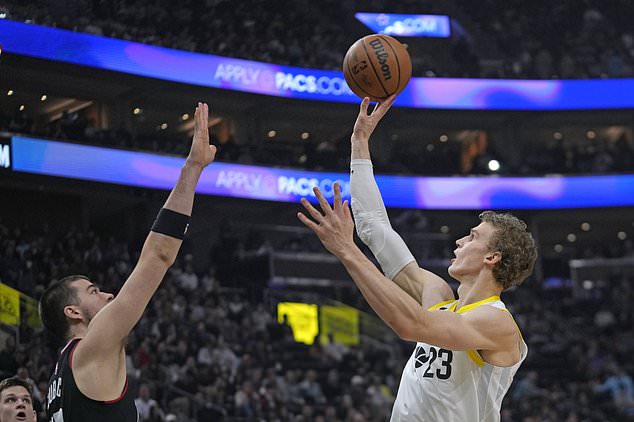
477 290
78 331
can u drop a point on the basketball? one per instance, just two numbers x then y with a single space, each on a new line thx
377 66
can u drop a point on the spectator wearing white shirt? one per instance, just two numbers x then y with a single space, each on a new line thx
147 407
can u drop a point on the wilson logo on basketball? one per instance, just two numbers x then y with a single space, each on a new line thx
382 57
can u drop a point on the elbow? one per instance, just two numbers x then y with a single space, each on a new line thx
402 330
166 259
405 334
159 256
409 330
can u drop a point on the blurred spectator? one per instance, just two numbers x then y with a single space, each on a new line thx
148 408
8 364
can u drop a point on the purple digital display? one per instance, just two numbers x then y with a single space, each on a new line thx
284 81
160 172
407 25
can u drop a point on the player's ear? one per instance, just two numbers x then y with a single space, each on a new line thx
492 258
72 312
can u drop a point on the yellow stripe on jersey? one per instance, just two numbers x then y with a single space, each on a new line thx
475 356
478 303
440 305
514 322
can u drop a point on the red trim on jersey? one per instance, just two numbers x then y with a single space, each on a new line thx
122 394
67 344
70 357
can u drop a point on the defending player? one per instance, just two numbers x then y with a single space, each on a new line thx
90 381
16 401
467 349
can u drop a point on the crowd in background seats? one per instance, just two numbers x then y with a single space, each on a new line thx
205 350
564 40
538 39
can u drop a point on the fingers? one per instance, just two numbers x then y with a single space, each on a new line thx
197 119
337 201
196 116
339 207
363 108
312 210
201 118
346 210
325 206
381 108
308 222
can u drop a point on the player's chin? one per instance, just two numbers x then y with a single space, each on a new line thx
452 270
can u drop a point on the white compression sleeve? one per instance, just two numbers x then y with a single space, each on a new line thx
372 222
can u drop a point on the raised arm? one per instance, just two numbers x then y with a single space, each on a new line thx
372 222
482 329
101 348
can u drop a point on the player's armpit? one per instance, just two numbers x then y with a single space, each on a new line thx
483 328
424 286
102 377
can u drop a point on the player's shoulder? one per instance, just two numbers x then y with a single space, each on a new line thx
492 316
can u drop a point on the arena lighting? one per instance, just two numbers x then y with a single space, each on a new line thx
163 126
21 108
137 110
591 134
271 133
558 248
305 135
444 138
494 165
184 117
571 237
585 227
621 235
43 98
10 92
558 136
158 171
444 229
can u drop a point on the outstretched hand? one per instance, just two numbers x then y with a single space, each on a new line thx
335 226
201 153
366 123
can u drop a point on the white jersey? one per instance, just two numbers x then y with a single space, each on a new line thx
453 386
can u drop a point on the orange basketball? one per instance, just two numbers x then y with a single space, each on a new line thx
377 66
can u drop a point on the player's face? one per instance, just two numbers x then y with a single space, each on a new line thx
91 299
16 405
471 252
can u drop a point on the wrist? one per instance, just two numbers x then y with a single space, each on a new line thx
359 139
193 165
350 253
